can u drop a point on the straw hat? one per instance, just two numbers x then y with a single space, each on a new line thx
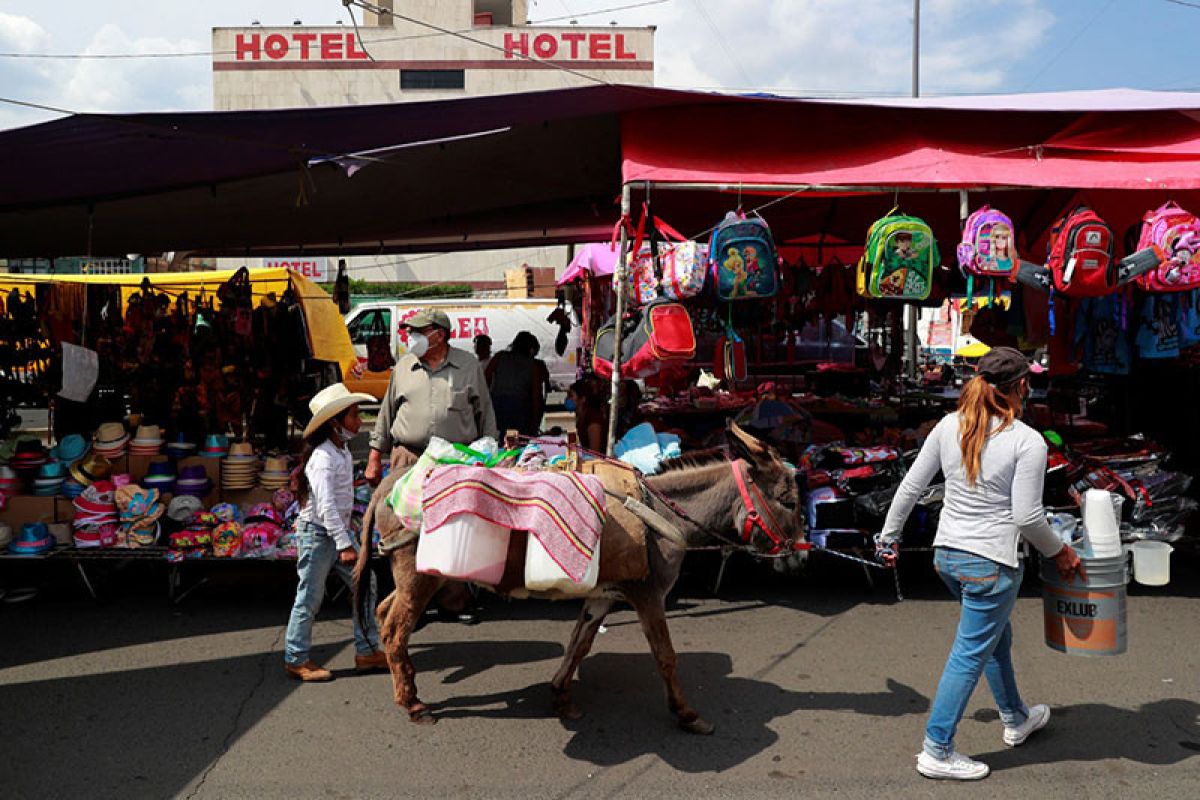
111 434
148 435
91 469
241 451
331 401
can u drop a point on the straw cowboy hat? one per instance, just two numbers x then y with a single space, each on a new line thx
93 468
331 401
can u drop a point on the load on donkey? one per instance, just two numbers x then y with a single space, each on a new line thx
743 494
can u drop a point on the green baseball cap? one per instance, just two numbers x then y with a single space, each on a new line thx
427 317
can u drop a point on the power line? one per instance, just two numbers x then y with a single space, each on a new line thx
1062 51
374 41
721 40
1184 3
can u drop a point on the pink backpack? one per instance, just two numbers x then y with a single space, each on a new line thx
988 248
1176 233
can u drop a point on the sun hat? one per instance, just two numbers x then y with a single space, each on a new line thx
331 401
96 504
95 467
427 317
258 539
264 512
70 449
148 435
181 508
227 540
140 507
92 536
34 539
1003 366
111 439
241 451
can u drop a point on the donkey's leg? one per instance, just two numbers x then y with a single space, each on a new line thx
651 611
399 617
595 609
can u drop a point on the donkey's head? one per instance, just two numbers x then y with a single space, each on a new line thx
768 497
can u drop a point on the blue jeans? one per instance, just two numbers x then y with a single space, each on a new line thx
987 592
316 556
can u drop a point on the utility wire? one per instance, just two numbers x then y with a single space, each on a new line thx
1184 3
1062 51
721 41
374 41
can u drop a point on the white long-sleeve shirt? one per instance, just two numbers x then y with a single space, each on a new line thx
330 473
987 518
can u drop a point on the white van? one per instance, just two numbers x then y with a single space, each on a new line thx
500 319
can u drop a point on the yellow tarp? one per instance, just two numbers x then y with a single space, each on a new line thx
328 337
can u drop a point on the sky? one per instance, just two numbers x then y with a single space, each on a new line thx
800 47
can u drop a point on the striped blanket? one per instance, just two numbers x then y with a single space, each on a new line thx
564 510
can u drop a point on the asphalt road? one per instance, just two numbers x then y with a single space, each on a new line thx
819 687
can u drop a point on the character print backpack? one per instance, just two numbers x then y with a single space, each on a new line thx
1176 235
1081 260
988 249
743 259
899 260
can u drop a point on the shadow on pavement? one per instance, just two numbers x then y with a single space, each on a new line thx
468 659
1161 733
622 698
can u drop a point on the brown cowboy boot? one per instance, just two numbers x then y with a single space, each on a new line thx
375 662
308 672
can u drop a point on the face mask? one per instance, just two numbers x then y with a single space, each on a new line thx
569 404
418 345
340 435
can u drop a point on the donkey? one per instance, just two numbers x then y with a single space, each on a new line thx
747 495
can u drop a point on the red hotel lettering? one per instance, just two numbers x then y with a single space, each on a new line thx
352 51
305 40
545 46
276 46
574 39
248 44
621 51
599 46
331 46
514 44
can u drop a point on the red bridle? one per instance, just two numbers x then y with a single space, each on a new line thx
764 521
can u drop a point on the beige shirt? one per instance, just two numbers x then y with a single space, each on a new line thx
451 402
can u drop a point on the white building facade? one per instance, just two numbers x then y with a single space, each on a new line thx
484 47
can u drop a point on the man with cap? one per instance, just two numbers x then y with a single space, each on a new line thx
435 390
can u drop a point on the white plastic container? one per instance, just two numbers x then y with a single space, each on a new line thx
542 574
1102 523
466 548
1151 563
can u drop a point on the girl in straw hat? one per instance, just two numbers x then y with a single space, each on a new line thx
324 485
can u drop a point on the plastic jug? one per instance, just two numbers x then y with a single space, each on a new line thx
1152 563
466 548
542 574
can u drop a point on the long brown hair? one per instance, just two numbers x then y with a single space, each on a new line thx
979 403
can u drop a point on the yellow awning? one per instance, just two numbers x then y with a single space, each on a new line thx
328 338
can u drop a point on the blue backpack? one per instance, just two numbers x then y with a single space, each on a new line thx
743 259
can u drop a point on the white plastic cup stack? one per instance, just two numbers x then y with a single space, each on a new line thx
1102 523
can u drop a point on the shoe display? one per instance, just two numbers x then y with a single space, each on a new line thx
955 768
1039 715
375 662
308 672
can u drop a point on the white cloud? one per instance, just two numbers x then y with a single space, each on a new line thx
21 34
164 84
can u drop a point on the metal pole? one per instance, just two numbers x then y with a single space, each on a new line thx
621 285
912 341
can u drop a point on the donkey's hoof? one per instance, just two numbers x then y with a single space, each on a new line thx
697 726
421 715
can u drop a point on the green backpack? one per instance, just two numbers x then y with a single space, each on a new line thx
899 260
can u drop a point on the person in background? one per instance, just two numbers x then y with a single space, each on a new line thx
518 381
435 390
589 400
483 349
994 466
324 485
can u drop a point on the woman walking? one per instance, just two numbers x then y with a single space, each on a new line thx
324 486
994 467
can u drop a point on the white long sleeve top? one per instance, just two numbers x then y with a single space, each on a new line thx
1005 503
330 473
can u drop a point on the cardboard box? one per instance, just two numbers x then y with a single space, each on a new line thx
21 509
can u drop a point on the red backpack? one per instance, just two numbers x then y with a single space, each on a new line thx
1081 258
653 337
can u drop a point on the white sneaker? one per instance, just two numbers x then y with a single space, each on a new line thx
955 768
1039 715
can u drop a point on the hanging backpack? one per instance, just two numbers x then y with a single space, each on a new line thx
743 259
899 260
1176 235
653 337
988 249
1081 255
680 271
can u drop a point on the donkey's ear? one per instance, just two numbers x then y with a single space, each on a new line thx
746 446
